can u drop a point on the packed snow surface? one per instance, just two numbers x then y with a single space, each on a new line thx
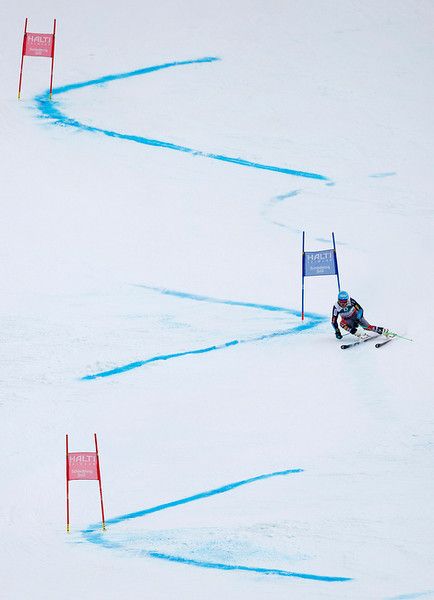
150 243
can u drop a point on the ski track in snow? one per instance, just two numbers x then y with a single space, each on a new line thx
94 535
312 321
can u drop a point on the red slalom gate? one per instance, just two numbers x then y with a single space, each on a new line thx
83 466
38 44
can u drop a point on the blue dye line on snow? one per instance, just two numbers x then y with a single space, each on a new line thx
93 535
413 596
380 175
271 205
313 322
220 490
262 571
115 77
285 196
211 300
162 357
50 109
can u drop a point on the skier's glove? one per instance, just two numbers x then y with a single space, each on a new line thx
353 330
338 334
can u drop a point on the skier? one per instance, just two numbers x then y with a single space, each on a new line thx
351 314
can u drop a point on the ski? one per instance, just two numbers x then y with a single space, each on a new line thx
362 341
380 344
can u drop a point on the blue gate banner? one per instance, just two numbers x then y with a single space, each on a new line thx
319 263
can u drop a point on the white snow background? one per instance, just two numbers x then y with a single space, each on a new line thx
94 228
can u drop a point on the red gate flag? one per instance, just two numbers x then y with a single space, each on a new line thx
38 44
83 466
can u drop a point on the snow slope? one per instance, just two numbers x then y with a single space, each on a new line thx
150 268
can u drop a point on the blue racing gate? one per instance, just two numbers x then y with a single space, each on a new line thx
319 262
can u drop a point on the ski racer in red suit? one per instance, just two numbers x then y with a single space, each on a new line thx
351 314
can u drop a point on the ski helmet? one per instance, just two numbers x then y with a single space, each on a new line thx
343 298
